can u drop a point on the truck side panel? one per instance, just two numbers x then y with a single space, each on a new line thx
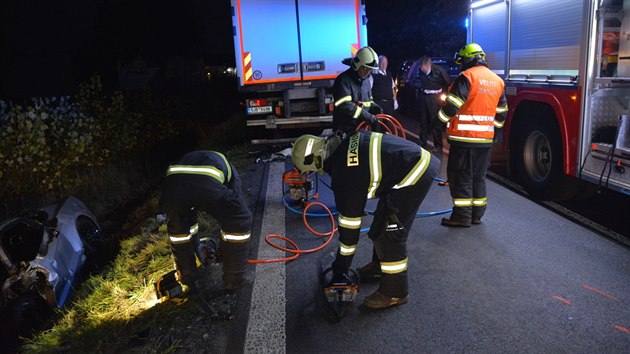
288 41
266 35
329 32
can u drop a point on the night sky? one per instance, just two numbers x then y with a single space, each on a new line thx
47 48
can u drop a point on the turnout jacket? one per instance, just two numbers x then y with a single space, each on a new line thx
368 165
353 99
205 180
475 106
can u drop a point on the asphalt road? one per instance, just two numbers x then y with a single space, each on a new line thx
525 280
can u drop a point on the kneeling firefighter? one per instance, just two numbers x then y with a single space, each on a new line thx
206 181
364 166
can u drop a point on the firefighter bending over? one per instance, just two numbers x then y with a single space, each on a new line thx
206 181
364 166
352 93
475 107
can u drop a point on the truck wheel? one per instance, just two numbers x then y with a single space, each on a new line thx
537 158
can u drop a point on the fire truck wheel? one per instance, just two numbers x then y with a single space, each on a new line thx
537 157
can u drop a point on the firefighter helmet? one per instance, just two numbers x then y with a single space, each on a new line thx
470 52
367 57
308 153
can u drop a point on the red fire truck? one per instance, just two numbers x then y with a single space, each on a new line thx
566 65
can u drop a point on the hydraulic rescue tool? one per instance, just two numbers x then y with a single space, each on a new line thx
341 290
168 287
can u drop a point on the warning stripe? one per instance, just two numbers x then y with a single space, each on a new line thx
247 65
354 48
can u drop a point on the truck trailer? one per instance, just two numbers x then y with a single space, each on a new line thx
288 54
566 65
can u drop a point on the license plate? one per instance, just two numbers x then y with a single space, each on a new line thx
258 110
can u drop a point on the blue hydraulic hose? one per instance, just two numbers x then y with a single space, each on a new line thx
286 204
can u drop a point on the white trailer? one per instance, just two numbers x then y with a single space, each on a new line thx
288 54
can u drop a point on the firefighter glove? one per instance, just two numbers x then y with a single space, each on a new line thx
375 109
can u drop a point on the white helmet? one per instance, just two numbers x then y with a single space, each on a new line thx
308 153
367 57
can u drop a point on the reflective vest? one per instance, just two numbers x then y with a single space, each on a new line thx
474 121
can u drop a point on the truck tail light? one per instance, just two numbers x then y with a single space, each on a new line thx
257 103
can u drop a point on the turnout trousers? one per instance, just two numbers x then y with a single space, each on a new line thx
466 173
393 218
183 196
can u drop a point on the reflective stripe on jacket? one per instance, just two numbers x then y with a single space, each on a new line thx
220 170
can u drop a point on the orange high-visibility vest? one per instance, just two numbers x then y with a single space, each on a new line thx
474 121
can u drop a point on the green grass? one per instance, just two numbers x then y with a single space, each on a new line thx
114 308
117 310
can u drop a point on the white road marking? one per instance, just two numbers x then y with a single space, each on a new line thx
266 329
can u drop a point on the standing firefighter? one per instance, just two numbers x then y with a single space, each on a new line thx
364 166
206 181
476 105
353 94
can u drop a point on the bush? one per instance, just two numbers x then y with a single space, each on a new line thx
47 144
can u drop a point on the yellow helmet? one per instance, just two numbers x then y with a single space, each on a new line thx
308 153
367 57
470 52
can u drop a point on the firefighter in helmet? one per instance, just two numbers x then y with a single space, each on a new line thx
364 166
353 94
206 181
475 107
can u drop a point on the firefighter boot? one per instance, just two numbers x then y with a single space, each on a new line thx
380 301
235 273
370 272
455 222
235 281
186 265
477 214
460 217
457 219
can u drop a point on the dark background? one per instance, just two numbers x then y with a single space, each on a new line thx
48 48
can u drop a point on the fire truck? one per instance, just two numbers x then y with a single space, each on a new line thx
288 54
566 65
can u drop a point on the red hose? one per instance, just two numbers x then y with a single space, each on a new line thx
296 249
391 124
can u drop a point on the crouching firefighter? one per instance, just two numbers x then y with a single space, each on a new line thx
206 181
364 166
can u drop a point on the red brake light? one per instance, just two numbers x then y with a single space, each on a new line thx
257 103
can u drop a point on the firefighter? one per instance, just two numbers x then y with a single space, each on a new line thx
353 94
364 166
206 181
475 107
